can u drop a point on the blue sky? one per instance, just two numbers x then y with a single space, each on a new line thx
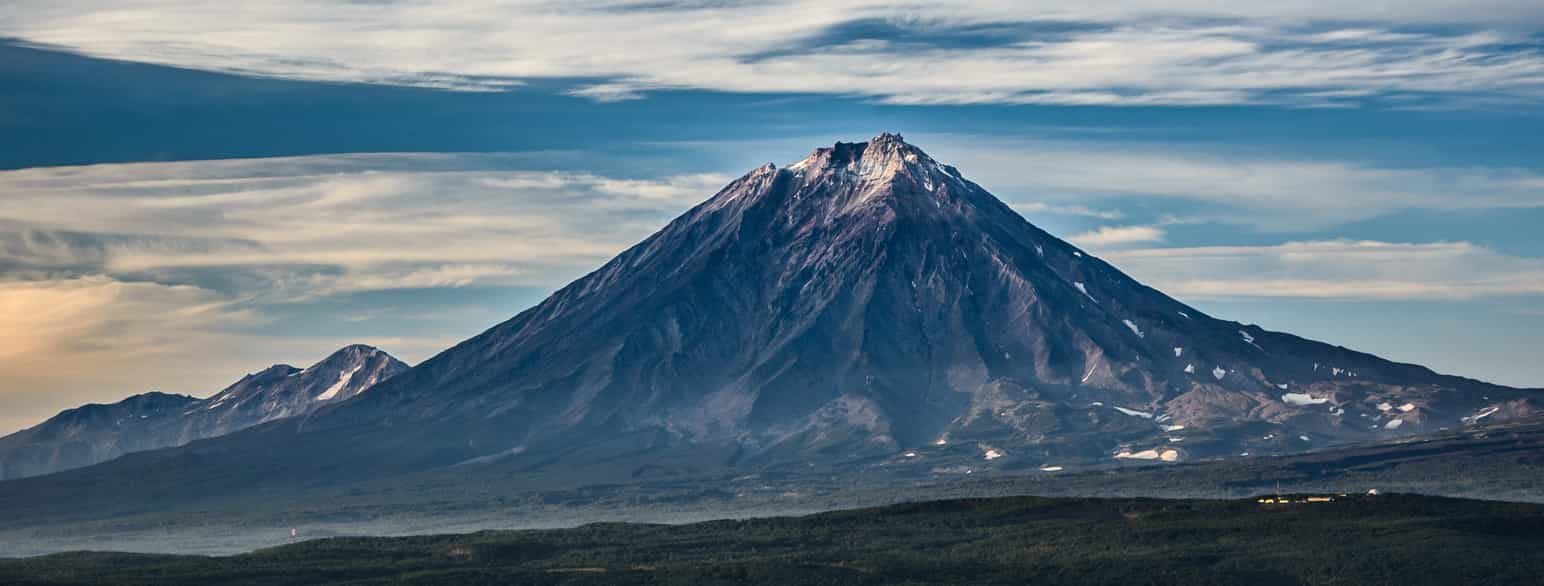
192 191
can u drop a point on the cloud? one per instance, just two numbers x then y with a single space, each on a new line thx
1119 235
181 276
1215 185
87 338
85 315
925 52
1036 207
310 226
1336 269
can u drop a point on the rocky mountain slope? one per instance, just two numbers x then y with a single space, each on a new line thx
871 303
94 433
867 310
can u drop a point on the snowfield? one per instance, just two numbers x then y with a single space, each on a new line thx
1134 329
343 381
1084 289
1487 412
1135 413
1302 399
1165 455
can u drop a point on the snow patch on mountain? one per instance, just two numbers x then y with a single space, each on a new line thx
343 380
1165 455
1134 329
1134 412
1248 339
1302 399
1486 412
1084 289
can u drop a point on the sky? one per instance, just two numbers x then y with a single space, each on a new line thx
192 191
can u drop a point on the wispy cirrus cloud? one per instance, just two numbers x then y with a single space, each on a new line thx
1336 269
1268 192
1040 207
927 52
328 224
1119 235
181 276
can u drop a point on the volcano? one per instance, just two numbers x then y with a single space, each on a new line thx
866 308
869 301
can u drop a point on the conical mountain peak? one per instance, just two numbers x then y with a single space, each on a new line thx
869 291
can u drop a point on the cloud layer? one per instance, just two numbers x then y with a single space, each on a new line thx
311 226
181 276
1210 185
1118 235
1336 269
1304 54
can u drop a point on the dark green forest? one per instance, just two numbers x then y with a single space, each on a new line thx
1359 539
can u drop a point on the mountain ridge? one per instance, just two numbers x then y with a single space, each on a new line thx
98 432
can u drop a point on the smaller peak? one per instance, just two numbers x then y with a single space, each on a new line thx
357 349
354 352
888 137
277 369
348 354
359 353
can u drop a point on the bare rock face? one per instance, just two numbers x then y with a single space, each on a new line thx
94 433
